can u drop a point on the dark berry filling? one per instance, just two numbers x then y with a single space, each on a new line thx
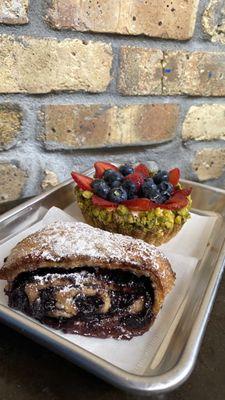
88 301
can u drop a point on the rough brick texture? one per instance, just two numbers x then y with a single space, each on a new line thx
209 163
205 122
80 127
213 21
12 181
14 12
158 18
195 74
30 65
10 125
153 72
140 71
81 73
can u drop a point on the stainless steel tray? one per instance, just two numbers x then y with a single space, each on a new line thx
182 350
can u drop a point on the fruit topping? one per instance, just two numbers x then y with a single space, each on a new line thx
149 189
178 200
111 176
126 169
160 176
185 192
142 169
100 188
82 181
98 201
160 198
137 188
101 167
166 189
115 184
174 176
140 204
117 195
130 188
137 179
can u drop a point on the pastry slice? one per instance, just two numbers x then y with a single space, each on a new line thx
83 280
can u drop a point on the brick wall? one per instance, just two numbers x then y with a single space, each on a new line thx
115 80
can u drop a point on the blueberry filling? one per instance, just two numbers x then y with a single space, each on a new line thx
87 301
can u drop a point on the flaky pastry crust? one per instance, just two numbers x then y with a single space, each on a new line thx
75 245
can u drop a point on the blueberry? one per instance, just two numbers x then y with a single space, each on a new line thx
160 198
126 169
149 189
100 188
149 182
115 184
111 176
166 189
117 195
130 188
161 176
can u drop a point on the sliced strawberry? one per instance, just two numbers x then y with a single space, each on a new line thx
186 192
98 201
142 169
177 201
177 196
174 176
175 206
136 178
101 167
140 204
82 181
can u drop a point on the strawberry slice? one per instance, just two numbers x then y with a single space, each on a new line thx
176 196
174 176
186 192
136 178
175 206
140 204
82 181
101 167
142 169
98 201
177 201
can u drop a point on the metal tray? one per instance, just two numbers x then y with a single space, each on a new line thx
181 352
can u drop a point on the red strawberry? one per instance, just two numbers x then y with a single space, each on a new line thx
142 169
136 178
101 167
98 201
186 192
174 176
177 201
140 204
82 181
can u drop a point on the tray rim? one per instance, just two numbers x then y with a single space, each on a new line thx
118 377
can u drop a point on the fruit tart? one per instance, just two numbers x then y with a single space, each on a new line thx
134 201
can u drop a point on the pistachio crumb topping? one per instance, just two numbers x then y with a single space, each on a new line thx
160 224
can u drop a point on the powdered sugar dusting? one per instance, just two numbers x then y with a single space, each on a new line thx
66 239
78 278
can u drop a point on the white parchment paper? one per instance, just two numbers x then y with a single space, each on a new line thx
184 252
